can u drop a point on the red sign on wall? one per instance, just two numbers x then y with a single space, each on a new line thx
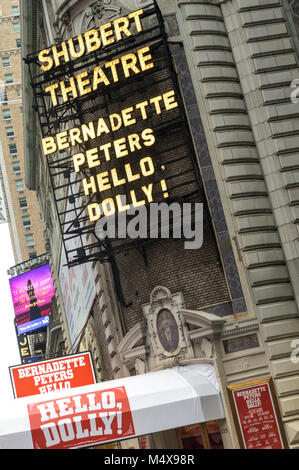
257 416
81 420
62 373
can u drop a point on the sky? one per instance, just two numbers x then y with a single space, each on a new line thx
9 353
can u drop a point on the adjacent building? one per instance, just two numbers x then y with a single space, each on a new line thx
231 143
22 208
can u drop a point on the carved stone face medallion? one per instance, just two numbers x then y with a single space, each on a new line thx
167 330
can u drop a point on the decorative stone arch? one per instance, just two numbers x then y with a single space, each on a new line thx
132 348
159 294
200 336
197 332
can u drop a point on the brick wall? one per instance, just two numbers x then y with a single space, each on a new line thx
196 273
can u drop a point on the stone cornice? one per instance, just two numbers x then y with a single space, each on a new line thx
240 328
14 85
6 19
16 50
10 102
204 319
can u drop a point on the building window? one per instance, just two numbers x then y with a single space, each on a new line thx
5 62
32 255
6 114
8 78
20 186
29 240
18 43
16 27
21 109
16 167
18 92
23 203
3 96
26 221
15 11
13 151
10 132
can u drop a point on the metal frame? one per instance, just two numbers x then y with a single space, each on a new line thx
171 131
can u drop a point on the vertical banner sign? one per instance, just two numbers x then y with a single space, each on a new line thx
56 374
23 347
77 287
257 415
82 420
114 132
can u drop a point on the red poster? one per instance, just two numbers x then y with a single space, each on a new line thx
56 374
144 442
257 417
191 430
81 420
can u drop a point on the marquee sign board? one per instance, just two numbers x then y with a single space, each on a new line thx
61 373
93 418
114 129
112 410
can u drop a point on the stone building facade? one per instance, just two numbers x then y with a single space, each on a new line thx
234 302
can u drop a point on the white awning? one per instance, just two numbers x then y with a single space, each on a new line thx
113 410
